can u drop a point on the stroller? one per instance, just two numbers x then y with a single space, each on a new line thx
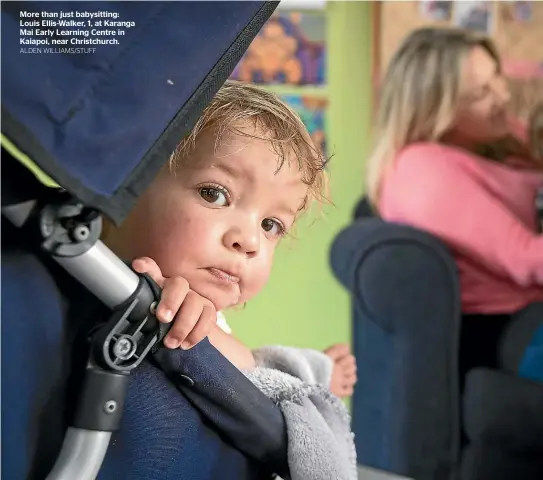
87 390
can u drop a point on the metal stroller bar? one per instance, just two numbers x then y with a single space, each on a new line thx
82 454
70 234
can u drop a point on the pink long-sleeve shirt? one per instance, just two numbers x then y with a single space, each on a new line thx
484 211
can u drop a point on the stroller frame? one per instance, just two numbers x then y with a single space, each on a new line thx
70 233
74 97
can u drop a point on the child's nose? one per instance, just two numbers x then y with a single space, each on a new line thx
243 239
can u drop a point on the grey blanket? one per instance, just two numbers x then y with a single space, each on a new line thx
320 441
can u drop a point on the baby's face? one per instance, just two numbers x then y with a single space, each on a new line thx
218 221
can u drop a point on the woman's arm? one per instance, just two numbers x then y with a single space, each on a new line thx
433 188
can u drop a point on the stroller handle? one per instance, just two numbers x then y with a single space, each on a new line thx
102 273
82 454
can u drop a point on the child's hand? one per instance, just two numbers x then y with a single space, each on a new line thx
344 370
194 315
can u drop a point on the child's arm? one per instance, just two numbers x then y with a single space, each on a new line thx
340 380
193 324
235 351
202 320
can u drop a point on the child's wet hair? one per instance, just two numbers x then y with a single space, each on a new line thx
238 105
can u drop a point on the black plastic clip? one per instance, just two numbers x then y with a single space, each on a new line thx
117 347
133 330
68 227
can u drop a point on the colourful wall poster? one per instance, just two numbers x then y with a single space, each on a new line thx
474 15
290 49
522 11
312 111
435 10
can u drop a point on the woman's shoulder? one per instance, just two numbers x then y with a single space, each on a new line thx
440 164
421 171
423 167
437 157
431 156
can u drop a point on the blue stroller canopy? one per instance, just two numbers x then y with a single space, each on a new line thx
101 124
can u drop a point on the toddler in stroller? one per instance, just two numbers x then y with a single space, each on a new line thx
330 423
206 231
101 126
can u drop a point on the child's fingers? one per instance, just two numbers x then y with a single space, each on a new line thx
149 266
349 371
345 374
347 362
206 323
173 295
342 391
338 351
185 320
347 392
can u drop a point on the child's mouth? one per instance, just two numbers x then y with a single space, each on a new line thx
222 275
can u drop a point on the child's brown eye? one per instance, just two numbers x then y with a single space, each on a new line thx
269 224
214 196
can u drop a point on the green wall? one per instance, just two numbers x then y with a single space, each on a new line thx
303 305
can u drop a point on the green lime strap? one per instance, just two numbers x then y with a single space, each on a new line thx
28 162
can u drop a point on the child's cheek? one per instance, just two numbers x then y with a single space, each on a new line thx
257 280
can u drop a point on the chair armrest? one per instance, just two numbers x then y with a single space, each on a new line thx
407 316
393 271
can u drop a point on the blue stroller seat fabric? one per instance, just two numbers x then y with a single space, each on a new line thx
101 126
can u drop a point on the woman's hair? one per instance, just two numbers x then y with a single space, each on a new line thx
419 94
525 94
536 132
526 104
238 105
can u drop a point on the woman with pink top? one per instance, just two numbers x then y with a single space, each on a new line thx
450 161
